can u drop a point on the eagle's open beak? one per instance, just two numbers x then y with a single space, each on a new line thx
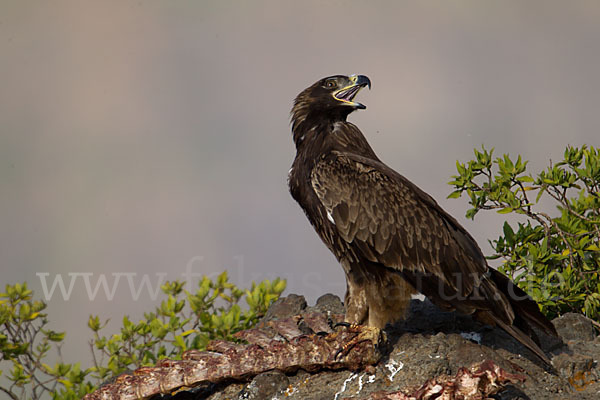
346 94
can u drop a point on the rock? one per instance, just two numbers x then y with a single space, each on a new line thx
328 303
572 365
571 326
286 307
265 386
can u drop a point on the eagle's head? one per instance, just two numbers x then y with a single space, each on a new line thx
330 99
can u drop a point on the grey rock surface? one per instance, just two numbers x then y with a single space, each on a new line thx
576 327
328 303
286 307
265 386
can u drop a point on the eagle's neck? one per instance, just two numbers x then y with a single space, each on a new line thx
310 126
316 135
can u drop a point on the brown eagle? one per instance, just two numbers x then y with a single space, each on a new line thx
391 238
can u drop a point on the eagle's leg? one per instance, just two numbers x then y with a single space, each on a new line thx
376 295
355 301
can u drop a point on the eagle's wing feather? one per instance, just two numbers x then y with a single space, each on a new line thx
391 221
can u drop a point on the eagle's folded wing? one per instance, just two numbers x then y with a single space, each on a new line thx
391 221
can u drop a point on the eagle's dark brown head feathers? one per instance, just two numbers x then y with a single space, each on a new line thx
329 100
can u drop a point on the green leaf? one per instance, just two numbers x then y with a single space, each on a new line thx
55 336
527 179
94 323
509 234
454 195
188 332
279 286
471 213
179 342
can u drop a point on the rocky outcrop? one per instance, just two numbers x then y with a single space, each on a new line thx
431 355
433 346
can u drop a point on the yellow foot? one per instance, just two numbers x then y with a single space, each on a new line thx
364 334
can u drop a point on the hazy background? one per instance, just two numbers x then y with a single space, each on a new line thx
153 136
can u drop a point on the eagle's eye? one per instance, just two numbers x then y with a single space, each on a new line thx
330 84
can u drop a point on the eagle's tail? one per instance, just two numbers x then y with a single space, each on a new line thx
526 340
525 308
527 315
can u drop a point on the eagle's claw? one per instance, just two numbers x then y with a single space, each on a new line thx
364 333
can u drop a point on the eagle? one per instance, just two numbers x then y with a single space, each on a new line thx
391 238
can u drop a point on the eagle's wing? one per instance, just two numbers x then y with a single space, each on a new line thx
389 220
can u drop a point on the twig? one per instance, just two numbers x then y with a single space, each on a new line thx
596 324
9 393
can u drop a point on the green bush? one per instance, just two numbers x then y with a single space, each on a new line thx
555 259
182 321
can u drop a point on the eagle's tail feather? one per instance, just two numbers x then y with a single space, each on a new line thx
525 339
527 314
526 310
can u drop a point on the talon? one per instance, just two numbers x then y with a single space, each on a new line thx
365 333
348 325
344 324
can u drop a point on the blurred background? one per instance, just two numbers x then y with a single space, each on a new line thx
150 139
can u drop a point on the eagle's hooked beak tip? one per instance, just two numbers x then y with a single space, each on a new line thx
360 80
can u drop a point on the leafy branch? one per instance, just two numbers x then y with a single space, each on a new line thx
555 259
